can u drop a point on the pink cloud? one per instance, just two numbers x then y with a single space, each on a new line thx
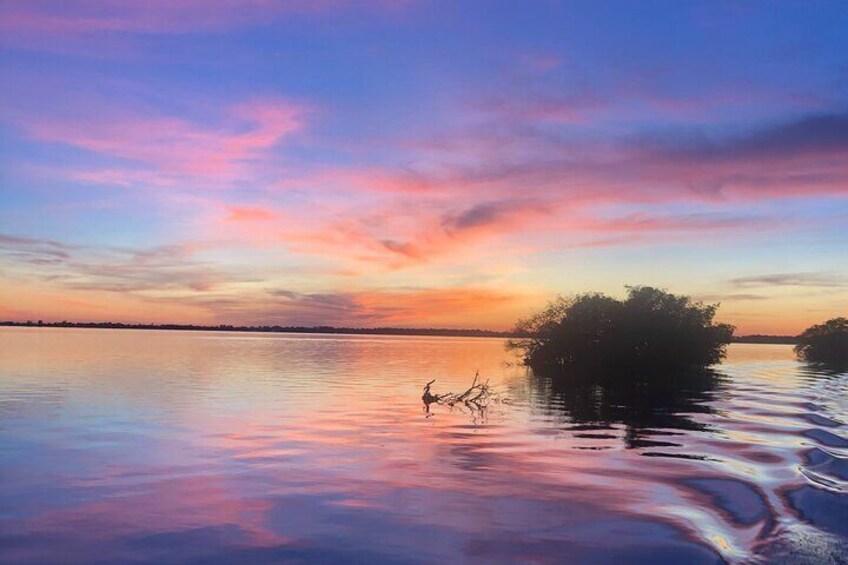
388 238
498 160
164 147
489 184
399 218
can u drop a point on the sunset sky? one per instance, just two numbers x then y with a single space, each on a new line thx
420 163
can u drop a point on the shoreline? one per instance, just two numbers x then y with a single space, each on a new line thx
328 330
331 330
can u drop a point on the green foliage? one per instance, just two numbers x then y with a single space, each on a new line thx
825 343
650 329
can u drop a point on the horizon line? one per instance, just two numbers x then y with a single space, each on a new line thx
340 330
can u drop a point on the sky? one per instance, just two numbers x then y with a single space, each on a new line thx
420 163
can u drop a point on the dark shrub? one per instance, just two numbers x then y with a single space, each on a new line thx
650 329
825 343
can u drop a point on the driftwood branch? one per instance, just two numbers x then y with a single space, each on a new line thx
476 398
430 398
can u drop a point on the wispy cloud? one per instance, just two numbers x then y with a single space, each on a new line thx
164 150
792 279
491 215
389 307
819 135
33 251
168 276
730 297
159 269
686 222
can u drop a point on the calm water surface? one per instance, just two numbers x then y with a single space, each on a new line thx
137 446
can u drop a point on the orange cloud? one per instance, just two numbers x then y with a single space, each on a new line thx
384 237
249 214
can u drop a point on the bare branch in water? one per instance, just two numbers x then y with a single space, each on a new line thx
476 398
429 398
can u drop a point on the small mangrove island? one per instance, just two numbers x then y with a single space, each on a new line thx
650 329
825 343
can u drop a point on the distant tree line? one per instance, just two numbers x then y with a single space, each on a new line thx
448 332
759 338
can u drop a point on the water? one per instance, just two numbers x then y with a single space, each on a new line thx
138 446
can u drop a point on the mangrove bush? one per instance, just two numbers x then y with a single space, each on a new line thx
649 329
825 343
